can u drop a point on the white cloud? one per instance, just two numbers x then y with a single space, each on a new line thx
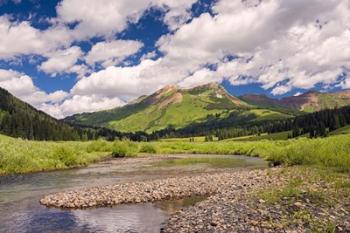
149 55
201 77
290 51
20 38
112 52
122 82
22 86
80 104
178 12
62 61
280 44
107 17
301 43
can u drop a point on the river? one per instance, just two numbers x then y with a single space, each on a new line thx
20 195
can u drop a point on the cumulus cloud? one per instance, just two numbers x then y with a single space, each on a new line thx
80 104
295 48
112 52
303 43
122 82
20 38
200 77
280 44
107 17
22 86
62 61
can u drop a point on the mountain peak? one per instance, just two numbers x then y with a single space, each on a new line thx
169 105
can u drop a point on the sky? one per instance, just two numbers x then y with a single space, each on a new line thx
71 56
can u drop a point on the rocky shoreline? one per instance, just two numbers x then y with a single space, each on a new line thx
156 190
239 201
316 206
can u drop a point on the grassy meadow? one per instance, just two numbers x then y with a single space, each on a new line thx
20 156
333 152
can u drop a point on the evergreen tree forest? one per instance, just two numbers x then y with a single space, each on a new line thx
19 119
317 124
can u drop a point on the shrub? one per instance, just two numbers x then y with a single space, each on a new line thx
98 146
66 155
124 149
148 148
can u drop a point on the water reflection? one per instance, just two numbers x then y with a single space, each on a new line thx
21 211
125 218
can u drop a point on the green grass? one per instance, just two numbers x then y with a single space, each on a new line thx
156 117
321 188
343 130
21 156
273 136
265 114
124 149
148 148
331 152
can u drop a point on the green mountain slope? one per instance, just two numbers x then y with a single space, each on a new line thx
19 119
171 106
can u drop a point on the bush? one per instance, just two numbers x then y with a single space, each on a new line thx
148 148
66 155
122 149
98 146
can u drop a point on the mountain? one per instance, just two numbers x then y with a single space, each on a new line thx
308 102
172 106
261 100
19 119
315 101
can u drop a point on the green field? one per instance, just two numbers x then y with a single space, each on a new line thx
332 152
343 130
272 136
20 156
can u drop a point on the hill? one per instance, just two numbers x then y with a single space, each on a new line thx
174 107
19 119
308 102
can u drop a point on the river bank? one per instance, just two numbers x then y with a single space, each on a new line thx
156 190
20 194
296 199
302 200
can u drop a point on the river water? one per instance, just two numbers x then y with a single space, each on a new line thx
20 210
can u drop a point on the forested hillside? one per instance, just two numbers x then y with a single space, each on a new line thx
19 119
317 124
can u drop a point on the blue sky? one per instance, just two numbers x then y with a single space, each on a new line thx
70 56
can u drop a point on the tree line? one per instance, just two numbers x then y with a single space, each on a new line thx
317 124
19 119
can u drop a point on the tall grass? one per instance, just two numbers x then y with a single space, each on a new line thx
124 149
331 152
19 156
